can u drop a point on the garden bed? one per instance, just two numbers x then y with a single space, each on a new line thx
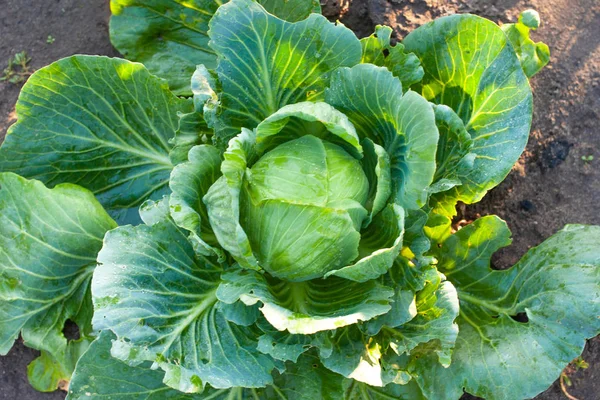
554 182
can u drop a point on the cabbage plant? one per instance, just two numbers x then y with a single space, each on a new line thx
262 208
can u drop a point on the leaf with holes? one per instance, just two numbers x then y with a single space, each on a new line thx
519 327
49 240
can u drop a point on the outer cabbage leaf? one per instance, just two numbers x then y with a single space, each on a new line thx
403 124
292 10
49 239
437 309
471 67
378 50
189 183
159 297
223 199
53 370
310 306
307 118
432 378
99 375
533 56
193 129
171 37
375 359
100 122
306 379
379 246
281 345
266 63
495 353
360 391
376 164
453 157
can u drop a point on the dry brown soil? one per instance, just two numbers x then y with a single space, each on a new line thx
549 187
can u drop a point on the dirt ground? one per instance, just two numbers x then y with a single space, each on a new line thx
550 186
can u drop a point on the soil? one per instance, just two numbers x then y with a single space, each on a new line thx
550 186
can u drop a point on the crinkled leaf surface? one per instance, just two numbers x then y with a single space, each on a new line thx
554 284
281 345
49 240
439 217
379 246
99 122
98 375
416 242
471 67
155 292
308 118
193 129
189 183
372 359
437 309
307 307
403 124
404 307
407 278
361 391
223 199
357 356
306 379
376 164
378 50
453 157
533 56
266 63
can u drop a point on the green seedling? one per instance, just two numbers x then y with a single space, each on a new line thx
18 69
565 381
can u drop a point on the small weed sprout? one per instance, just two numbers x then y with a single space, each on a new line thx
587 159
18 69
